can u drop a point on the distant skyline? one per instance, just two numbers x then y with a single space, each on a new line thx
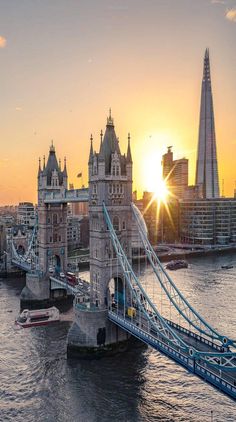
65 63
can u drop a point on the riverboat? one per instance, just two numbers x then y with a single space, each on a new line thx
227 267
37 317
177 264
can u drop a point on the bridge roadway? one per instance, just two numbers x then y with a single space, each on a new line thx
222 379
82 287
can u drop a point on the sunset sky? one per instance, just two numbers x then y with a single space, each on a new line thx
63 63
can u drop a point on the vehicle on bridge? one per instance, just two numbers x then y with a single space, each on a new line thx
131 312
71 279
35 318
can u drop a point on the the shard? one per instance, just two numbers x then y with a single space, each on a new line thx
207 168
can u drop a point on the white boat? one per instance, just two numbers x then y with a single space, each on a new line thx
37 317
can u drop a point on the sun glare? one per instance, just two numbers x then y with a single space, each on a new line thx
161 191
152 177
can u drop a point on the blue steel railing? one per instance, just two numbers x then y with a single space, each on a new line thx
175 296
224 360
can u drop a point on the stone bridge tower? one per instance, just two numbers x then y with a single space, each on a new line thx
52 218
110 181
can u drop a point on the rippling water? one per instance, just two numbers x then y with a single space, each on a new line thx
38 383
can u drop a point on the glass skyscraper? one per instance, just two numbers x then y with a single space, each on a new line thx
207 169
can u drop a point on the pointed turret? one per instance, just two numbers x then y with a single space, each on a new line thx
65 168
91 150
109 145
207 166
44 163
129 156
39 170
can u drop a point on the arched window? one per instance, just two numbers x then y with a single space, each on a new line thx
54 219
116 223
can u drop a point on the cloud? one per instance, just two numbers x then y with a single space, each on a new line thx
231 14
218 1
18 108
3 41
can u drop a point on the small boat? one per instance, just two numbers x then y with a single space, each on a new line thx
37 317
177 264
227 267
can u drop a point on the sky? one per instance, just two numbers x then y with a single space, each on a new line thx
64 63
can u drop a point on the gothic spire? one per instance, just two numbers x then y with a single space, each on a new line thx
129 156
91 150
110 120
65 169
39 170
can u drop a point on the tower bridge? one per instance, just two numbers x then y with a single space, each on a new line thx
120 303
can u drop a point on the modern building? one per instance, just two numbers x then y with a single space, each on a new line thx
208 221
207 167
175 172
26 214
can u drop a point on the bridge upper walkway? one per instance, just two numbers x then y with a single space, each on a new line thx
139 327
201 348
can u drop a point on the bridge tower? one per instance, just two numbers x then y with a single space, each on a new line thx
52 233
52 218
110 182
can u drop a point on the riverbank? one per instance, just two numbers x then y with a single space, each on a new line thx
174 251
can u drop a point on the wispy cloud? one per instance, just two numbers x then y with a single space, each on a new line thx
230 14
218 1
3 41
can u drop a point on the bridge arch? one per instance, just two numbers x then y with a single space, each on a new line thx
116 294
55 263
21 249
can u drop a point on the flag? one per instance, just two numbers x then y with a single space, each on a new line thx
79 175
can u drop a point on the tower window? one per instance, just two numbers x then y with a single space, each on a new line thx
54 218
116 223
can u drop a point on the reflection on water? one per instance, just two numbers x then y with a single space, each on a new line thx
37 382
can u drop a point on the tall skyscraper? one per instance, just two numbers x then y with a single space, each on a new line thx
207 168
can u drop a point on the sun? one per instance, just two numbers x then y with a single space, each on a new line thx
161 191
152 177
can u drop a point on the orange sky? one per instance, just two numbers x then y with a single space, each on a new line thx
63 67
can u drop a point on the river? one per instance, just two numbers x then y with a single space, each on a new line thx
38 383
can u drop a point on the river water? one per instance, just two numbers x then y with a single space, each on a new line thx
38 383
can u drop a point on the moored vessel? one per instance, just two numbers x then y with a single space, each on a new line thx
177 264
37 317
227 267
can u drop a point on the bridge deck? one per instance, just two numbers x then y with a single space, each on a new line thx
222 379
